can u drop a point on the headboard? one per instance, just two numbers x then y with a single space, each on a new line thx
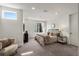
54 30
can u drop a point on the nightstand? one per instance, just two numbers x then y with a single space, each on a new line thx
62 39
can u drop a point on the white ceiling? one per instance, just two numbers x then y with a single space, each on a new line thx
38 13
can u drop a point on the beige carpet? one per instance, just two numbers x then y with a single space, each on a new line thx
33 48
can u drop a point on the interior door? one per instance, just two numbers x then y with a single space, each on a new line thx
73 25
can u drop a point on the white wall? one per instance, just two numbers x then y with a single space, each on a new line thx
12 28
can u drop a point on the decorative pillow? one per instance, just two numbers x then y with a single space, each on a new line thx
58 34
52 34
48 33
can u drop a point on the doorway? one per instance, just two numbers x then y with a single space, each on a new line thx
73 29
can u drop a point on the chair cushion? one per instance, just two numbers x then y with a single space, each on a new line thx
6 42
0 45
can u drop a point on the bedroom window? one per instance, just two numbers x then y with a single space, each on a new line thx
10 15
39 27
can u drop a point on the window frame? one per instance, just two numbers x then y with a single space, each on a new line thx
7 18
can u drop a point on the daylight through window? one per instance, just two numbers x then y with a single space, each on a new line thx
10 15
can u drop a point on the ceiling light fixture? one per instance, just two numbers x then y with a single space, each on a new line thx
33 8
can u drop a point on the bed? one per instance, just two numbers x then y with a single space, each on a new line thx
44 39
